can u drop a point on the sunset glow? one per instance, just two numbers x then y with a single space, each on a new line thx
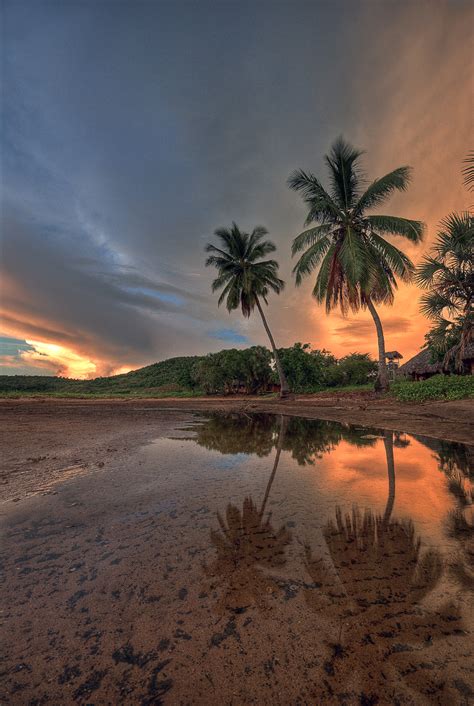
68 363
107 203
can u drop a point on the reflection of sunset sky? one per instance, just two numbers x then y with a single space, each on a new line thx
107 203
359 475
346 476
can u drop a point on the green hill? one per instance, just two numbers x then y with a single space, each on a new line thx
172 376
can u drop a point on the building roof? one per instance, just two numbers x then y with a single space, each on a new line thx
421 364
393 354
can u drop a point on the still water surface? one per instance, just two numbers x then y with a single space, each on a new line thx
248 559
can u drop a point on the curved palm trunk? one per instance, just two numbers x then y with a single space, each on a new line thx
381 384
388 443
281 437
284 389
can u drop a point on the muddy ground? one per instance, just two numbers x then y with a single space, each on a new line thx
46 440
132 576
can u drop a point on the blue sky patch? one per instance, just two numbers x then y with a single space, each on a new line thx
228 334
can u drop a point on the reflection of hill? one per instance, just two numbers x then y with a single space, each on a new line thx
373 593
305 439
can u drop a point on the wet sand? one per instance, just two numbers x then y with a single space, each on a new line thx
140 567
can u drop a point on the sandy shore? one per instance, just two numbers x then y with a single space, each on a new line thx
45 440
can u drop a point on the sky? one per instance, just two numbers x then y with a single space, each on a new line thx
132 130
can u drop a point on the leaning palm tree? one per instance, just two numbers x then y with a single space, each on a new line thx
357 267
448 275
245 278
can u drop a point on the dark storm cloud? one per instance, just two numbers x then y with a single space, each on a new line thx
131 131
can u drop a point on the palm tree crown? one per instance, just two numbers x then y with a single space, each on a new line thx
245 278
448 273
348 246
243 275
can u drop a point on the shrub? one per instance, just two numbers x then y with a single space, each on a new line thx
438 387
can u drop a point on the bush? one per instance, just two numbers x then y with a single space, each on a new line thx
234 370
438 387
352 370
304 368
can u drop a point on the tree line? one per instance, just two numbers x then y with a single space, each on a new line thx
252 370
355 265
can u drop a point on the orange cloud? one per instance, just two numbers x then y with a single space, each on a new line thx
414 91
66 362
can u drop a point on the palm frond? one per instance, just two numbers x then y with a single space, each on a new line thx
352 256
322 206
396 260
344 173
321 284
468 171
426 271
309 237
382 188
433 304
412 230
310 259
456 235
224 292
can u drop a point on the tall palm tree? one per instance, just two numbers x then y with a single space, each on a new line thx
448 273
245 278
357 266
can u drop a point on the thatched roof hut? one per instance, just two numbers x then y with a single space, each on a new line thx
420 366
393 355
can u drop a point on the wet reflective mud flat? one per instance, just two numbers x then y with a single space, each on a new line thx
247 559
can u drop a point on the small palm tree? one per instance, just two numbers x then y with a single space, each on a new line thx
245 278
448 274
357 266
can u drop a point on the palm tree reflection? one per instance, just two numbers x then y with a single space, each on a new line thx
461 527
388 443
460 523
247 546
371 591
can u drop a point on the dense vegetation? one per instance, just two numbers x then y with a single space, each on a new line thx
250 371
232 371
438 387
